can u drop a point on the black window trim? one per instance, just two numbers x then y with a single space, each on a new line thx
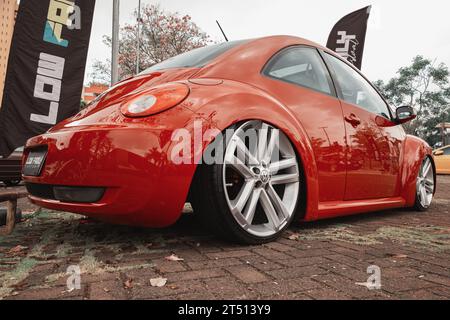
339 90
273 59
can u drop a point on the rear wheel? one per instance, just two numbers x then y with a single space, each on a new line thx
425 186
252 196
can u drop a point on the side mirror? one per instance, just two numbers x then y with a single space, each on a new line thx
405 114
438 153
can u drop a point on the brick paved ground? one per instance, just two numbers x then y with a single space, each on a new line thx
324 260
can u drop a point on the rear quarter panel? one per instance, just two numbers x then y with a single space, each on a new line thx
233 102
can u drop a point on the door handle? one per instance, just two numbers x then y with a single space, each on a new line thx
353 120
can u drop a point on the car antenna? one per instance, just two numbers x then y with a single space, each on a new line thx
220 27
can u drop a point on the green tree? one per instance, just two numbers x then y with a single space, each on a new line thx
425 86
162 36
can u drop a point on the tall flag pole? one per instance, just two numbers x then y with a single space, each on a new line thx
115 43
47 61
349 35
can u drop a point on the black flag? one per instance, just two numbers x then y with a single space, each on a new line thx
46 67
349 35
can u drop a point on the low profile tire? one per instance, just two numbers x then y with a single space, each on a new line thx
253 196
425 186
12 183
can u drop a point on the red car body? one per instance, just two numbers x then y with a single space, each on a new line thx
100 147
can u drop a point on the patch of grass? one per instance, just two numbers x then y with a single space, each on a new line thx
15 276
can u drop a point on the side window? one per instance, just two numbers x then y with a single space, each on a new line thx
357 90
302 66
447 151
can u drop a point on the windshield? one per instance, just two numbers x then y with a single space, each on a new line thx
196 58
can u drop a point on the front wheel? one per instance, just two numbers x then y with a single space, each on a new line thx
253 195
425 186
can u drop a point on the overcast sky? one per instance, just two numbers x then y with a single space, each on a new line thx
398 29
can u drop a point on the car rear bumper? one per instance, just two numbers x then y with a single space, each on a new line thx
141 185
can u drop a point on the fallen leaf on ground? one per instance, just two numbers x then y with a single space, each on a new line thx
158 282
294 237
174 258
128 284
398 256
106 290
17 249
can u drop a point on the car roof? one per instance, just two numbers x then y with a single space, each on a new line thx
281 39
251 56
278 42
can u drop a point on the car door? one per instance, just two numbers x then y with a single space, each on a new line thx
298 77
374 152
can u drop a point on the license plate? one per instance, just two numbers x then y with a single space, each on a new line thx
34 163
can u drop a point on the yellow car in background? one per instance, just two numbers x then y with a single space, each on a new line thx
442 160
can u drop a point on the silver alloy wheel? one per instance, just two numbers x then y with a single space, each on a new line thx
261 178
425 184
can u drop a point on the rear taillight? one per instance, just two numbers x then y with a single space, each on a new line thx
155 100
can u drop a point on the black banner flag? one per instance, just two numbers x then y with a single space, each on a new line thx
46 66
349 35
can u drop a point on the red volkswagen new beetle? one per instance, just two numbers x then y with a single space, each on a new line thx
327 144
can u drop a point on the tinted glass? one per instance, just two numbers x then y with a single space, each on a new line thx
195 58
447 152
302 66
357 90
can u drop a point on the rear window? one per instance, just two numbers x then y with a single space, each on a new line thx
196 58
